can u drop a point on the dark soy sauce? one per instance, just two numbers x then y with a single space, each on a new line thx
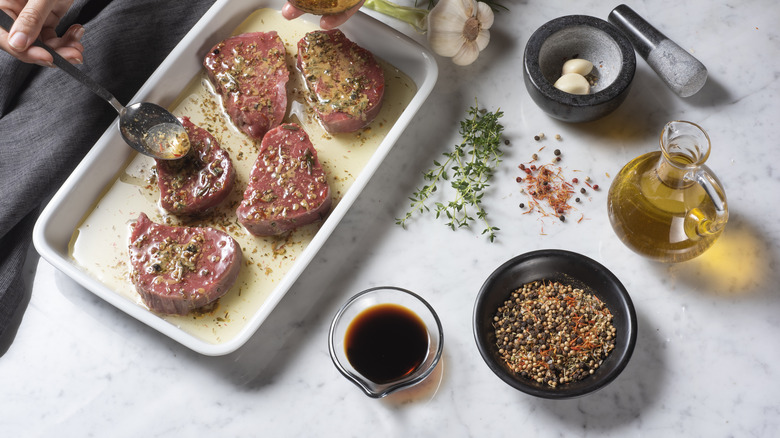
386 342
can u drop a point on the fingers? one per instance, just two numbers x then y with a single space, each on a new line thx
290 12
327 22
332 21
33 55
28 24
38 19
69 45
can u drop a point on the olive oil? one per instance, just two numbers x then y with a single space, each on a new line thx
666 205
386 342
659 221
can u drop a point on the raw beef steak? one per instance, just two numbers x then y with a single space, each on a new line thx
199 181
345 82
287 185
178 269
250 72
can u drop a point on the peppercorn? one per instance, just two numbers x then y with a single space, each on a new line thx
519 179
522 205
583 191
557 152
562 218
506 142
595 186
539 322
575 180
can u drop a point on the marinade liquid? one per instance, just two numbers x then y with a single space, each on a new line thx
386 342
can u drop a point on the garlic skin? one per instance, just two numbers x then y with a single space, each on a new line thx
458 29
573 83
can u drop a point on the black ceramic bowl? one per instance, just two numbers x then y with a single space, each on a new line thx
584 37
567 268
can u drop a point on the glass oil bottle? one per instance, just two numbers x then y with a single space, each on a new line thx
667 205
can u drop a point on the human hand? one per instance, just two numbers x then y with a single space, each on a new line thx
39 19
327 22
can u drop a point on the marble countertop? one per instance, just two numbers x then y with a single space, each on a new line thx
706 357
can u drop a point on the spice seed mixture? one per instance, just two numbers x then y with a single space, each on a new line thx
548 189
553 333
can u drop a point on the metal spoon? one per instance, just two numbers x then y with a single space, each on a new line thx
148 128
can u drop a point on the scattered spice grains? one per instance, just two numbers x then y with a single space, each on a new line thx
548 190
552 333
546 184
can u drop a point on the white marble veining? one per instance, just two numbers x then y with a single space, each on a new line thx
706 358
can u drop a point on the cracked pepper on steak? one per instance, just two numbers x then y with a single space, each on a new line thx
249 71
346 84
201 180
179 269
287 185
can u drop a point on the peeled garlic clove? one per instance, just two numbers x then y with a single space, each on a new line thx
573 83
579 66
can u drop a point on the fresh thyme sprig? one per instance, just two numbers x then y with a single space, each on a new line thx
472 163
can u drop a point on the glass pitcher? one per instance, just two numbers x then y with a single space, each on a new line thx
667 205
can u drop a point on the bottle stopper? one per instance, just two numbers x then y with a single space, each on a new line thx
680 70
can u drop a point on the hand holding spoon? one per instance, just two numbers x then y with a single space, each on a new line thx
146 127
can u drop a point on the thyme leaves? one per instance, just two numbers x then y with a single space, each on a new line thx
468 168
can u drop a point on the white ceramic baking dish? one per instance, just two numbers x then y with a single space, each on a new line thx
66 212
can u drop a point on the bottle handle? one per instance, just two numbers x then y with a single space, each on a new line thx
716 194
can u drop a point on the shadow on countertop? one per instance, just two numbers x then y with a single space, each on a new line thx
622 402
738 265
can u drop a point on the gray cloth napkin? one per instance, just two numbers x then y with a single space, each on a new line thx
48 121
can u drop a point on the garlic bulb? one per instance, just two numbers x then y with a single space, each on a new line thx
458 29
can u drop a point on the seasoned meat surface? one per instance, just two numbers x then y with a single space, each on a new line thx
179 269
250 72
345 82
202 179
287 185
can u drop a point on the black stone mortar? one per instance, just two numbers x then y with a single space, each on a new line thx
584 37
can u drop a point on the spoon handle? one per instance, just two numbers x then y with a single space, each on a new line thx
6 22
